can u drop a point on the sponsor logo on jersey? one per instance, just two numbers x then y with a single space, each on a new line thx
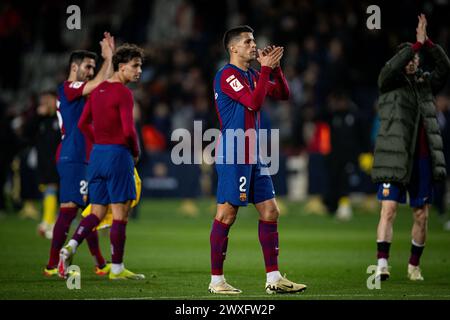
76 84
236 85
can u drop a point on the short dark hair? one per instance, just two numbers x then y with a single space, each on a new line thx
79 55
125 53
235 32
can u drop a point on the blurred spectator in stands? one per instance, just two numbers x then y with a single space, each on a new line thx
11 37
156 133
42 130
349 138
10 147
334 75
316 133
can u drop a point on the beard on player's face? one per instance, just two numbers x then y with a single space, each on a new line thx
83 74
85 70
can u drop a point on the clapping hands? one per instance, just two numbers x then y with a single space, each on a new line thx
108 46
421 30
270 56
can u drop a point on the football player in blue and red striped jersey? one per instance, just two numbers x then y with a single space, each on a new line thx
71 155
239 93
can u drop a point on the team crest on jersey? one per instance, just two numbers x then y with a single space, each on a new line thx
236 85
386 187
243 196
76 84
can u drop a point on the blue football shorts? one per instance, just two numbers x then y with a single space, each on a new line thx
240 184
73 183
420 187
111 175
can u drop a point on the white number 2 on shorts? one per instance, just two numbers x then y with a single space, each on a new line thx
83 187
243 181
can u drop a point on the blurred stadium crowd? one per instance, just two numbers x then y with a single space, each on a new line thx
331 62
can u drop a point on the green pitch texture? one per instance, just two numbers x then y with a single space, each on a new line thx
172 250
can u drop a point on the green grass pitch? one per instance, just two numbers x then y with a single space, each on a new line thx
172 250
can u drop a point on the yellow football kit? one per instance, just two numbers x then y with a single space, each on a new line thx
108 219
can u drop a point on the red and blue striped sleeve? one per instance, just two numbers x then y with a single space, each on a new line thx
73 90
233 85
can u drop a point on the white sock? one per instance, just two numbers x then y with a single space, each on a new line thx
416 244
273 276
217 279
73 244
117 268
382 263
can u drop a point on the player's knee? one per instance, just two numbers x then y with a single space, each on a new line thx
227 218
388 213
121 219
68 205
226 213
271 214
421 216
99 215
120 216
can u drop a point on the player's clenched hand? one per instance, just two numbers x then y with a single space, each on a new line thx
270 57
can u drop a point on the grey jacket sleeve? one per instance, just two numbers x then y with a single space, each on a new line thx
441 71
